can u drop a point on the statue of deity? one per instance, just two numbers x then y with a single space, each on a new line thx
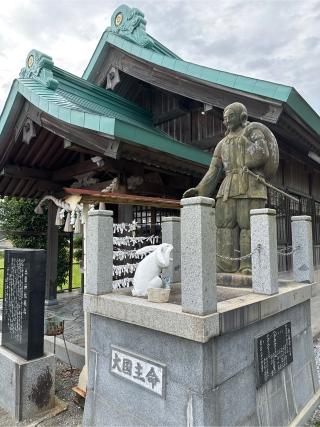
245 147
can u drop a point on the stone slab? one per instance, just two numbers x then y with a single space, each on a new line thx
23 302
167 317
233 314
27 388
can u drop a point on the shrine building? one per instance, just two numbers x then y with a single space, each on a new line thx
141 122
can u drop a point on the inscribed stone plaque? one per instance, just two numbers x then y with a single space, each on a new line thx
23 301
273 352
139 370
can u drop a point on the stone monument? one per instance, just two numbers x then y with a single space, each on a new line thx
27 376
247 152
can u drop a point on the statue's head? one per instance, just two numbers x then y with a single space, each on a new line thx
234 116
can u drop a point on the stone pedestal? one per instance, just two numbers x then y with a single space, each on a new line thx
27 388
171 233
302 245
264 247
198 256
153 365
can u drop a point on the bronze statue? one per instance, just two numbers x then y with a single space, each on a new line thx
246 147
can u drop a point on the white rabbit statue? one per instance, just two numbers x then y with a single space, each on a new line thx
148 270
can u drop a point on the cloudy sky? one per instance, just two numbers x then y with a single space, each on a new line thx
276 40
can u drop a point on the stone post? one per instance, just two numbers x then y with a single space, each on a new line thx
265 260
302 258
99 252
198 256
171 233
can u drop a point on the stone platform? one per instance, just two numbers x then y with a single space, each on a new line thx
208 361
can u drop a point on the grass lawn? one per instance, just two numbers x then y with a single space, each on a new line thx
76 276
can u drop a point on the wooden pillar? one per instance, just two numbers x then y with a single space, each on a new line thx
125 213
52 256
70 262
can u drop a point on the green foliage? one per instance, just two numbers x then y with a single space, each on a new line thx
26 229
77 245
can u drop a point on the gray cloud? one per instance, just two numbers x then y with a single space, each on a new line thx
271 40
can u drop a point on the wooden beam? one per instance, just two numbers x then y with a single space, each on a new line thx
16 171
91 196
52 255
79 136
69 172
68 145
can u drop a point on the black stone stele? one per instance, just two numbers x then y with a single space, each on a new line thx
23 301
273 352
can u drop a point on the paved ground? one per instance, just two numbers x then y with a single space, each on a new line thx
70 308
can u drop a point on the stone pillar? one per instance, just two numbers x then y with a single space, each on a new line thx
99 252
302 258
198 256
171 233
265 260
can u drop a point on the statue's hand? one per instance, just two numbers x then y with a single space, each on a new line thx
192 192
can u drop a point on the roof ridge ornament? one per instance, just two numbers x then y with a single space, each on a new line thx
130 23
39 66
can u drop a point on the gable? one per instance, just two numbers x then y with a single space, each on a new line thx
130 39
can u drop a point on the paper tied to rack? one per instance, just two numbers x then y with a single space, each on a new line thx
121 255
132 241
119 270
125 228
122 283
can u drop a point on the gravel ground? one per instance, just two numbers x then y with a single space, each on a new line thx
65 380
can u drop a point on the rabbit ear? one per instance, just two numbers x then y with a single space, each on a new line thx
146 249
161 254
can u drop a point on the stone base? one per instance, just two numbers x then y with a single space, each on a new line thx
234 280
208 362
27 387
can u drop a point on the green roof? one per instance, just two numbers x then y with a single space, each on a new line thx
150 53
83 104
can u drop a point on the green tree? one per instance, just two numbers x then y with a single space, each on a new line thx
26 229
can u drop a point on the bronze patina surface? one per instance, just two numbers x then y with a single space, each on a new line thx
250 145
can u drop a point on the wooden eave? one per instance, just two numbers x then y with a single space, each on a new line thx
47 163
261 108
